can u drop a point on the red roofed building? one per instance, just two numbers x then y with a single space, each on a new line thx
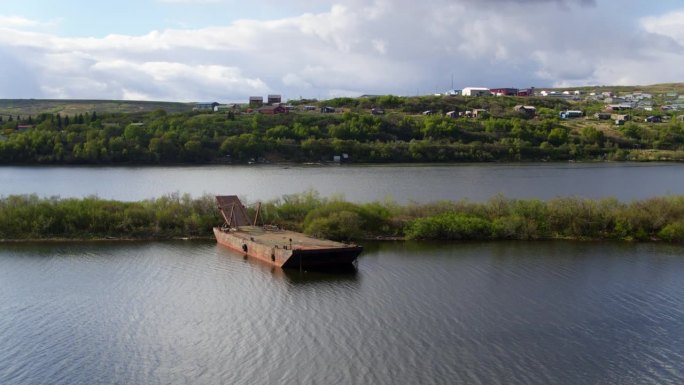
272 110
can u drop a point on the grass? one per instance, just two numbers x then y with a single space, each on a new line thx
26 107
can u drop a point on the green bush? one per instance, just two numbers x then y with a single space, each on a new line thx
450 226
30 217
373 218
515 227
674 232
339 226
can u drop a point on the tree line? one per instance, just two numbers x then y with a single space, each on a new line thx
402 134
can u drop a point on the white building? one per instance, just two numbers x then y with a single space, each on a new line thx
476 91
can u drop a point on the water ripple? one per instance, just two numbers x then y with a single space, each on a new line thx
195 313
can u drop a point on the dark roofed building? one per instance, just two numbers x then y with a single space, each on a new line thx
256 101
273 99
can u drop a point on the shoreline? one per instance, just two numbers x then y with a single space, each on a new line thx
338 164
369 239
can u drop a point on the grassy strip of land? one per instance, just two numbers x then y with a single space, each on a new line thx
28 217
32 218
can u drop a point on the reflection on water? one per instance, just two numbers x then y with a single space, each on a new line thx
419 313
294 276
348 275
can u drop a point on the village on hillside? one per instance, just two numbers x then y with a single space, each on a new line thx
617 105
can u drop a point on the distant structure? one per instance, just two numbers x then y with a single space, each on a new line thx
504 91
529 111
571 114
526 92
273 99
256 101
476 91
272 110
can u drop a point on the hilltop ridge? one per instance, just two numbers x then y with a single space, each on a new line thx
81 106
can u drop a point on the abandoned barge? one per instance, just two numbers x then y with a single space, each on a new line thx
282 248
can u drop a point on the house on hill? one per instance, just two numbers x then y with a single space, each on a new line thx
618 107
272 110
571 114
504 91
475 113
476 91
273 99
256 101
530 111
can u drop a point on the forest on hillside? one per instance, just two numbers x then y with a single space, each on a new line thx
409 129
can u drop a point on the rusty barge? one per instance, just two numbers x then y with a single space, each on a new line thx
282 248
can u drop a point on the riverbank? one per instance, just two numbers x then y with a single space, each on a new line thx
30 218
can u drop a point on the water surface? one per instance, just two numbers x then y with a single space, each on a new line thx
430 313
358 183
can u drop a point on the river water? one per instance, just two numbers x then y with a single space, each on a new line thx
403 183
412 313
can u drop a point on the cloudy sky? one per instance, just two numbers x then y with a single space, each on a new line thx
227 50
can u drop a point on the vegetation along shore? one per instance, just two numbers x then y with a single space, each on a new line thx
377 129
28 217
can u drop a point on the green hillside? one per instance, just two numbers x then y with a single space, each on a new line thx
376 129
654 89
34 107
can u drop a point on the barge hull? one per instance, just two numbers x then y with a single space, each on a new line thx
287 249
323 258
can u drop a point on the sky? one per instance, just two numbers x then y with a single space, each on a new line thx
228 50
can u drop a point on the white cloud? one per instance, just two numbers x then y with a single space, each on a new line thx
134 95
14 21
17 22
670 25
354 47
